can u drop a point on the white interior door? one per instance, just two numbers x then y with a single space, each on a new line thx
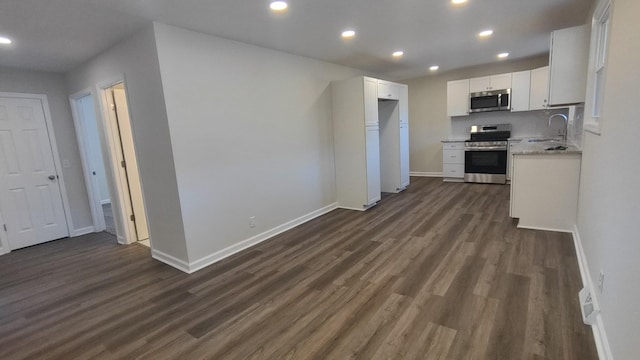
131 164
30 198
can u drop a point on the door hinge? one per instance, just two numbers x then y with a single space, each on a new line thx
132 217
113 107
122 163
5 227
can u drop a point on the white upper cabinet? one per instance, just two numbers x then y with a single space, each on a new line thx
458 98
487 83
538 99
370 101
568 60
388 90
520 90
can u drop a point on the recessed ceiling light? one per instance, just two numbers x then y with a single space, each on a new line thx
503 55
348 34
434 68
278 6
458 2
4 40
398 53
485 33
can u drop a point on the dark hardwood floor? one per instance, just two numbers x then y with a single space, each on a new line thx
437 272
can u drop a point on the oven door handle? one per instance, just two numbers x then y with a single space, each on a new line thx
491 148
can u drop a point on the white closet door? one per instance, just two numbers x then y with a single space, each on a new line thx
30 199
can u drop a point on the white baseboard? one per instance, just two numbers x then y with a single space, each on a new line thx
353 208
542 228
83 231
196 265
425 174
599 333
170 260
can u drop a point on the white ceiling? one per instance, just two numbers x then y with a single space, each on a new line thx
57 35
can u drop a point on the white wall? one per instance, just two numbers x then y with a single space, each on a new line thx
251 134
429 123
137 59
609 205
86 106
53 85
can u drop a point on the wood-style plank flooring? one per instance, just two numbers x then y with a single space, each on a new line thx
437 272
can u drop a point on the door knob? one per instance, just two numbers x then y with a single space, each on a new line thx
52 177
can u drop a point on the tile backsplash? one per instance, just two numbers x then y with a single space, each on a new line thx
523 124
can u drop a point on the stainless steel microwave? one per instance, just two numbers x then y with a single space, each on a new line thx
495 100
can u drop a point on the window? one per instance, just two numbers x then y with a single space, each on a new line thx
600 29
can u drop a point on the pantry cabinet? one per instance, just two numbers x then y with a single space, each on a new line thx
371 140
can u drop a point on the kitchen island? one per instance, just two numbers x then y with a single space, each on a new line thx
544 184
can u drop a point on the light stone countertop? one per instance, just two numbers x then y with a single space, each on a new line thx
453 140
533 147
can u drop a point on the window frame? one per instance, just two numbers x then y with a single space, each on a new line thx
601 29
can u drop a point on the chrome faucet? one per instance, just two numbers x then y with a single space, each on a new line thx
566 125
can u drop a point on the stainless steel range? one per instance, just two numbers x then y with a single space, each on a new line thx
486 154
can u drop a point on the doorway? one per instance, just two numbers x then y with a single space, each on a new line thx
33 205
124 209
93 163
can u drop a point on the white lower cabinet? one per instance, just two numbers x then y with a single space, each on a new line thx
453 161
512 143
544 191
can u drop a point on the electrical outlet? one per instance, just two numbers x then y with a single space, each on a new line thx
252 221
601 281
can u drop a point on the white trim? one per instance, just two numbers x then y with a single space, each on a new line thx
105 202
83 231
171 260
120 239
4 241
54 150
599 333
352 208
425 174
125 228
542 228
97 214
228 251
